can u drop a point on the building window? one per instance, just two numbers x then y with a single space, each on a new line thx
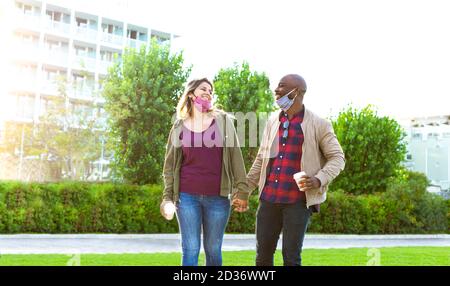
417 135
81 81
81 22
132 34
58 16
53 45
46 105
111 29
26 9
78 80
51 75
25 106
107 56
26 38
54 16
84 51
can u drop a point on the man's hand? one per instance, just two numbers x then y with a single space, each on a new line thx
240 205
307 183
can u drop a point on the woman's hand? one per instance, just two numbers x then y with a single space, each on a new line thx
167 209
240 205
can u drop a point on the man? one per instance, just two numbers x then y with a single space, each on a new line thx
294 140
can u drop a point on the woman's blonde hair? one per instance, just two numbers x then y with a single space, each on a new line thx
185 105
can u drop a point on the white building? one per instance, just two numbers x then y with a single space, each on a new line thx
429 149
48 39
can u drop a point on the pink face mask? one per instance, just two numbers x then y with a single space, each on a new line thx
202 105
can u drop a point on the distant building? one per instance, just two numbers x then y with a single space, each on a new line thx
54 38
429 149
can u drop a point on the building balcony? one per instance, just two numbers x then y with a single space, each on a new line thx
24 82
83 92
104 66
85 33
99 99
49 88
112 39
57 27
25 51
26 20
56 57
136 44
84 63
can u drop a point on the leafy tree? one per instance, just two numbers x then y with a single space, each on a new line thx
141 94
239 89
373 147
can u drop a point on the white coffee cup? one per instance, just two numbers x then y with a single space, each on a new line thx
169 210
298 176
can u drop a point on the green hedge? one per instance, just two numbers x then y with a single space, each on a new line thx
114 208
392 212
81 208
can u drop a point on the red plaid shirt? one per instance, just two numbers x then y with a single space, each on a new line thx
280 185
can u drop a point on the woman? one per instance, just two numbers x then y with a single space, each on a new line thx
203 167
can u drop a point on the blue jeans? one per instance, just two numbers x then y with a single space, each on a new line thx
271 219
209 212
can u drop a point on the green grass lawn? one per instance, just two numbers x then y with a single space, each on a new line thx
401 256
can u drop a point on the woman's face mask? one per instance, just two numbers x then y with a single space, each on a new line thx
202 105
202 100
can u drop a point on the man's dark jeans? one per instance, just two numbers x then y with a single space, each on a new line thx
271 219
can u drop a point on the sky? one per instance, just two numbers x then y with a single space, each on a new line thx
392 54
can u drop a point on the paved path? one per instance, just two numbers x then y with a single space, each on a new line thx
149 243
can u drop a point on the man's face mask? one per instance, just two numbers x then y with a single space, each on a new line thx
285 102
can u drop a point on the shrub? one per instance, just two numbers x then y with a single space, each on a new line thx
401 209
118 208
71 207
373 147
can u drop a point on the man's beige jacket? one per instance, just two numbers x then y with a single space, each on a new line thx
322 156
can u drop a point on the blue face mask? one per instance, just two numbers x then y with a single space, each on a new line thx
285 102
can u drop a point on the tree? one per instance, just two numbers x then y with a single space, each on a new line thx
373 147
239 89
141 94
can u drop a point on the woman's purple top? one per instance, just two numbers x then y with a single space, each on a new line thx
201 167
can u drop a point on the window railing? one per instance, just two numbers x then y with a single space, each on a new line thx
25 81
104 65
27 20
112 38
83 62
49 87
83 91
86 33
57 26
27 49
133 43
57 57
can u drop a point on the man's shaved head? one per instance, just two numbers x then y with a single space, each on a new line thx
297 80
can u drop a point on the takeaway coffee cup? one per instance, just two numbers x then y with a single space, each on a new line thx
297 177
169 210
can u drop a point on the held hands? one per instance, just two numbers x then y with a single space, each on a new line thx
307 183
240 205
